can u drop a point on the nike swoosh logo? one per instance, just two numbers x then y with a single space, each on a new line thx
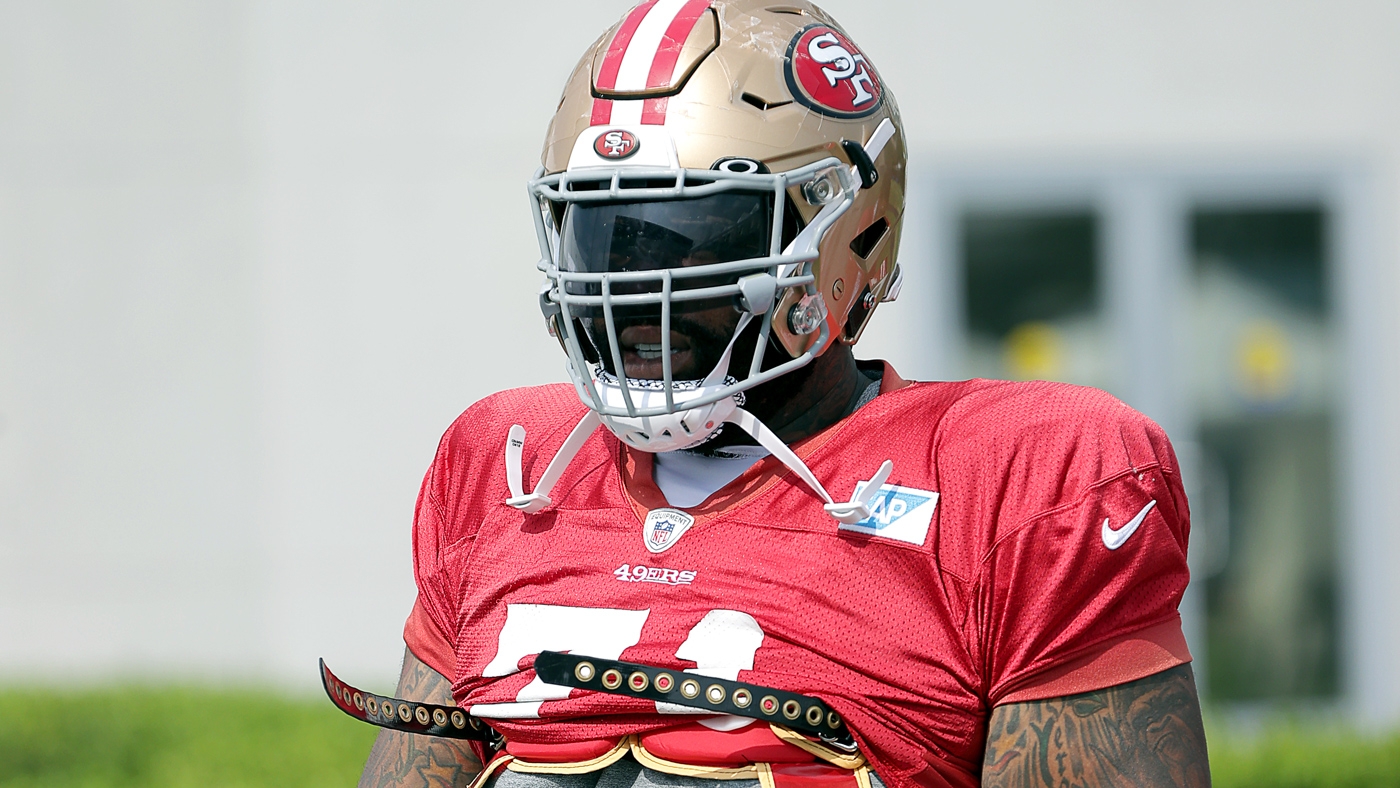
1114 539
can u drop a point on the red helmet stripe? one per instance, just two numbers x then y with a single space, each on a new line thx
663 63
602 112
612 61
654 111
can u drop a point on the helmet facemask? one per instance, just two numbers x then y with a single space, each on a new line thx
641 259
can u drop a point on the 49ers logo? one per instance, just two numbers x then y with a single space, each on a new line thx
827 73
616 144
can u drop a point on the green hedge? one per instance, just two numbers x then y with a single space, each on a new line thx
178 737
174 738
1297 756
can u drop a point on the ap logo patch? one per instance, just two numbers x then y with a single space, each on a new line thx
900 513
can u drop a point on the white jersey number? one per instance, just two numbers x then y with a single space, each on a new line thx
723 643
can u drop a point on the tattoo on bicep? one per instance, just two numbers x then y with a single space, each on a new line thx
1144 733
414 761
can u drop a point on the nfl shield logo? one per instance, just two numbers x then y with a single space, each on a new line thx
664 527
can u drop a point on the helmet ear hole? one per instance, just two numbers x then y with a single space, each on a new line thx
741 166
860 312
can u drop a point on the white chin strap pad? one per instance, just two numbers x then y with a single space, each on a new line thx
683 429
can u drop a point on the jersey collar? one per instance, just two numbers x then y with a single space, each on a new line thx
640 490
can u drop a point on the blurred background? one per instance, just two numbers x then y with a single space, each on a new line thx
256 256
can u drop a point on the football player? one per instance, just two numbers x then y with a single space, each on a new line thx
728 550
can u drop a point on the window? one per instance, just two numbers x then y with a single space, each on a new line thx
1263 388
1031 300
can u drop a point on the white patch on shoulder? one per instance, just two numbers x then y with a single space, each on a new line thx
899 513
664 527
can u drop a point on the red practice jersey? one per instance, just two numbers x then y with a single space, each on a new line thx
1030 543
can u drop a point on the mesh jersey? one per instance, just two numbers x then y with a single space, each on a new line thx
1000 588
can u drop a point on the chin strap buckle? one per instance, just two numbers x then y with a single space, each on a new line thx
530 503
858 508
515 448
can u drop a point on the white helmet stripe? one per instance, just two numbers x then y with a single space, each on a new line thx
635 68
643 54
607 70
627 113
621 41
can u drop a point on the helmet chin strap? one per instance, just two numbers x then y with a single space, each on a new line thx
515 447
849 512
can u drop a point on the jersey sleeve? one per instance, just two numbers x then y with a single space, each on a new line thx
426 640
444 526
1085 564
425 632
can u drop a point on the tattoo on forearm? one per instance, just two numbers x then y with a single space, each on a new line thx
409 760
1145 733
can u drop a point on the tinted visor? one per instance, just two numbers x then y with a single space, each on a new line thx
654 236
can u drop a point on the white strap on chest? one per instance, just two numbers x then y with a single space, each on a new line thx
848 512
852 511
515 447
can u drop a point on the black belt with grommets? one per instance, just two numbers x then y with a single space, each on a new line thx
704 693
404 715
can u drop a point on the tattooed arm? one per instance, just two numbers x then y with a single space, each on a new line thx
414 761
1146 733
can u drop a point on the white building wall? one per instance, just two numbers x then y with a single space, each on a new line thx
128 370
254 257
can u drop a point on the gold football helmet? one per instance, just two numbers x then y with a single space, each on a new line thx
715 152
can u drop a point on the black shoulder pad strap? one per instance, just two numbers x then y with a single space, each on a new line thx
403 715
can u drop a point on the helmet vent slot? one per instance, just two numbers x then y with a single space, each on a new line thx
785 9
869 238
586 186
763 103
646 183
